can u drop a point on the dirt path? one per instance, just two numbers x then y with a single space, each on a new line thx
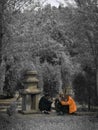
48 122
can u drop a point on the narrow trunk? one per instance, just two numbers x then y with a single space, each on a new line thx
89 103
97 81
96 64
1 34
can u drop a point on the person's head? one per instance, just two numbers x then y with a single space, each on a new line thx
67 96
47 95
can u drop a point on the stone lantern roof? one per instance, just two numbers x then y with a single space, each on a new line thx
31 82
30 77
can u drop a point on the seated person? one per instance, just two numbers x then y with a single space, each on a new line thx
61 109
45 104
69 101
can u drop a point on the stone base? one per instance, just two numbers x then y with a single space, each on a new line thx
29 112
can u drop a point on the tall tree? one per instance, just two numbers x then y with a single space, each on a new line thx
88 10
11 25
11 6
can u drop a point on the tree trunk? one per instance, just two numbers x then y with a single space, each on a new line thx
89 103
96 71
97 80
2 7
0 30
1 25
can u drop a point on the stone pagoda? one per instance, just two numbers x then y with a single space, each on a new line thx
30 95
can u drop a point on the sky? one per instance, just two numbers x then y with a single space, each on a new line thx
52 2
56 3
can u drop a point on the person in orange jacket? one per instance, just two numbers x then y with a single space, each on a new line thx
69 101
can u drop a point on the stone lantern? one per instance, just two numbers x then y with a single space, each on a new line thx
69 91
30 95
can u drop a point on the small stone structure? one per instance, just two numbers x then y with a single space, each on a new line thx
69 91
30 94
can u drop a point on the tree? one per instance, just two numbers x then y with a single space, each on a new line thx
51 79
11 35
83 86
49 34
88 10
7 9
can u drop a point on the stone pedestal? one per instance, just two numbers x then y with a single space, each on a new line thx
30 94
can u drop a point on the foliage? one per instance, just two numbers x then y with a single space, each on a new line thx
57 42
14 74
51 78
31 36
84 88
88 14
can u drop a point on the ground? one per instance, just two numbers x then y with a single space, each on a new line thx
80 121
48 122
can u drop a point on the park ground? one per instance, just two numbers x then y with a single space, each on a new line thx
18 121
48 122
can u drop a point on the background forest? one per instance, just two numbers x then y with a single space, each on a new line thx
60 43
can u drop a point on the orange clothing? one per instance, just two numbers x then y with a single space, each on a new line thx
71 103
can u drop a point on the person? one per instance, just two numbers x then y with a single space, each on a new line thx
61 109
45 104
71 103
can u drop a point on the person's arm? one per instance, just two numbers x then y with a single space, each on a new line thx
50 100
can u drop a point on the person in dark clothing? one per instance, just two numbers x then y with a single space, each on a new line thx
61 109
45 104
